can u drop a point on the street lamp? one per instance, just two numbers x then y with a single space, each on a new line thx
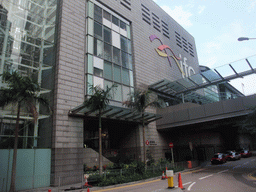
244 38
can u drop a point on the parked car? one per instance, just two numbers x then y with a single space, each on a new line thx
245 153
232 155
218 158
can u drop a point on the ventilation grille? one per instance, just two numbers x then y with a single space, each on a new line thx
145 14
165 29
184 44
126 4
156 22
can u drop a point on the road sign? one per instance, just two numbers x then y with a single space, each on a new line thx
147 142
171 145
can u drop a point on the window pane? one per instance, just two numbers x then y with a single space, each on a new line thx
130 61
125 62
107 52
131 78
109 84
90 44
107 70
90 26
97 72
98 13
89 84
106 15
126 92
122 25
107 35
117 73
124 45
90 64
125 76
97 30
98 48
128 32
116 55
129 46
90 9
118 93
115 20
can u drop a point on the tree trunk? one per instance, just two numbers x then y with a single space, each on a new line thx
144 140
13 177
100 145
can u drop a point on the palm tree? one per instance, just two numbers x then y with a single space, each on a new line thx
140 100
21 91
98 102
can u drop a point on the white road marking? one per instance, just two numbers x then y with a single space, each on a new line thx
222 171
184 184
205 177
191 186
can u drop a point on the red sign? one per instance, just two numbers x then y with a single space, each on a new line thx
147 142
171 145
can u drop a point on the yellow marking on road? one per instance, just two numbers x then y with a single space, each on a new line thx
251 177
192 171
143 183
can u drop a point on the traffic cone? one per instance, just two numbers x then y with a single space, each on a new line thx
163 177
49 190
86 182
166 174
88 189
180 182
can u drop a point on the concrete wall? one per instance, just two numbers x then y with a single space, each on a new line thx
91 158
67 142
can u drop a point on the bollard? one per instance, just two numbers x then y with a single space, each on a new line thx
169 174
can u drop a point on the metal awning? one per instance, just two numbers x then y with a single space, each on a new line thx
114 113
190 87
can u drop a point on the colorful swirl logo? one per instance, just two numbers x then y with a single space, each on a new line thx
162 52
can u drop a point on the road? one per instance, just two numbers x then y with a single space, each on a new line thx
232 176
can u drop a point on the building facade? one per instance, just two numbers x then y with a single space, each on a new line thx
69 46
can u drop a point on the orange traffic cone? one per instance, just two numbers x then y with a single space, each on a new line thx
163 177
86 182
180 182
166 174
88 190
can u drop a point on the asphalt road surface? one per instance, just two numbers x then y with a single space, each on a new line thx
233 176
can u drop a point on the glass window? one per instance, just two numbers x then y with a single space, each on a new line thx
117 73
107 52
129 46
122 25
130 61
128 32
109 84
89 84
118 93
97 30
115 20
126 92
116 39
90 64
98 13
90 26
131 78
106 15
90 9
107 35
124 45
125 62
125 76
90 44
107 70
97 72
98 48
116 55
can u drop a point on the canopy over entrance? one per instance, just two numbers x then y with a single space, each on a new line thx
189 87
115 113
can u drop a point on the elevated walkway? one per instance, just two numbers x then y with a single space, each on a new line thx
190 113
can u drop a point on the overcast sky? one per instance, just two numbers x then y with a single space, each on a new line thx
216 26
